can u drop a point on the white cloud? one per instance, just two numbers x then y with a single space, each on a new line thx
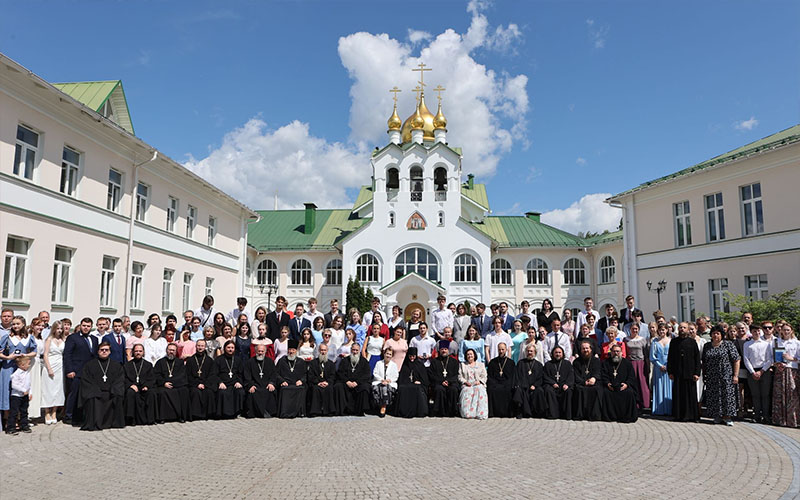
746 124
514 209
587 214
580 161
417 36
533 174
303 167
597 34
485 110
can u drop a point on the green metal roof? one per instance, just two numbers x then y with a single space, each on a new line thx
476 194
364 196
94 95
283 230
787 136
520 232
408 145
602 239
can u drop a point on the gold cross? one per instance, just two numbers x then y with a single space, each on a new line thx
394 90
439 89
422 69
417 89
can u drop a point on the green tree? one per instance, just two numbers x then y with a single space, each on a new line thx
467 306
367 304
784 305
355 295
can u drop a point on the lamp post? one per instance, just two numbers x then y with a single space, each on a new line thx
271 288
660 287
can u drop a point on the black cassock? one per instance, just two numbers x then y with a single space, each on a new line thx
586 398
683 363
173 403
352 401
291 398
500 387
101 395
596 350
320 399
411 398
262 403
445 398
230 400
140 407
559 401
619 405
200 369
531 402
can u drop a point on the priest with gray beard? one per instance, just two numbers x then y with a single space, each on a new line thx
321 378
171 389
619 388
291 376
260 382
353 383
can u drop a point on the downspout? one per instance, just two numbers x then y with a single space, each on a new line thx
126 306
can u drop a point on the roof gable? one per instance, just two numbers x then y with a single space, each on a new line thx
94 95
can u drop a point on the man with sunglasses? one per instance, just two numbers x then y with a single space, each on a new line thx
102 392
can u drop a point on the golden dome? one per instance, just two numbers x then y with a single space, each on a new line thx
427 122
394 121
439 121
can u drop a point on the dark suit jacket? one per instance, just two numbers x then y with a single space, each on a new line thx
329 318
117 350
274 326
77 353
508 324
294 329
625 317
487 325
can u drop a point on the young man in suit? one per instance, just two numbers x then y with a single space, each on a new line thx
626 315
297 323
79 348
277 319
116 340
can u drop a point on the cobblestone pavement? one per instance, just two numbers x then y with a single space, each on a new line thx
367 457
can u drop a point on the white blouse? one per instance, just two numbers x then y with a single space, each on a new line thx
757 354
384 372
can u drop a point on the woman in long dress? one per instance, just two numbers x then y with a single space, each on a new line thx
662 385
35 403
721 374
53 373
473 401
636 346
786 381
16 344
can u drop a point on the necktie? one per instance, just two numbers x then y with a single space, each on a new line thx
89 340
119 339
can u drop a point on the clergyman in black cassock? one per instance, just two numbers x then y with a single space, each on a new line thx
445 388
619 392
201 373
588 390
292 373
102 392
321 378
558 381
683 366
260 382
411 398
353 383
140 394
230 375
171 389
500 384
529 393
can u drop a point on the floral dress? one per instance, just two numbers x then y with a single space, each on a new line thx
473 400
721 396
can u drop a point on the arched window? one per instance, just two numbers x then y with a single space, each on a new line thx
267 273
367 268
416 183
466 269
574 272
537 272
333 272
391 219
417 260
501 272
301 272
608 270
392 179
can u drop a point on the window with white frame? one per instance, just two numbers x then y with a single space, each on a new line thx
107 281
267 273
187 291
683 224
114 190
212 230
333 272
191 221
686 301
301 272
16 268
756 286
70 171
142 201
166 290
717 289
536 271
417 260
466 269
172 214
574 272
367 268
608 270
752 210
209 286
62 267
27 146
501 272
715 218
137 277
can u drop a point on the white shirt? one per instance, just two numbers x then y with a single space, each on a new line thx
336 341
534 322
206 317
757 354
45 333
311 316
20 382
582 318
368 317
441 318
560 339
382 372
155 349
425 346
791 348
233 316
493 340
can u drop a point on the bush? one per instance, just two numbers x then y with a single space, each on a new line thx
784 305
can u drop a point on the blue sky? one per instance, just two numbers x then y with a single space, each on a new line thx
553 101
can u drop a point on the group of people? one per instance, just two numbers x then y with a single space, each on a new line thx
475 363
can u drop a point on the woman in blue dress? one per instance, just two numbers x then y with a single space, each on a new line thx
518 337
662 385
472 340
17 343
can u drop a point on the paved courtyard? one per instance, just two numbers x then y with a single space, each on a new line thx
394 458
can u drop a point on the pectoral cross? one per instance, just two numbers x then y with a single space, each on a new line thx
106 378
230 374
137 379
558 376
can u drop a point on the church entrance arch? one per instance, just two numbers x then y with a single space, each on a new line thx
410 307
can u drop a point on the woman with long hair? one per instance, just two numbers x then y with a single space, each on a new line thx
307 346
53 376
786 388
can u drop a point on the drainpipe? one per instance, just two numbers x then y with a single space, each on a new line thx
126 306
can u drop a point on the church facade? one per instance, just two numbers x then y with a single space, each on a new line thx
422 228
